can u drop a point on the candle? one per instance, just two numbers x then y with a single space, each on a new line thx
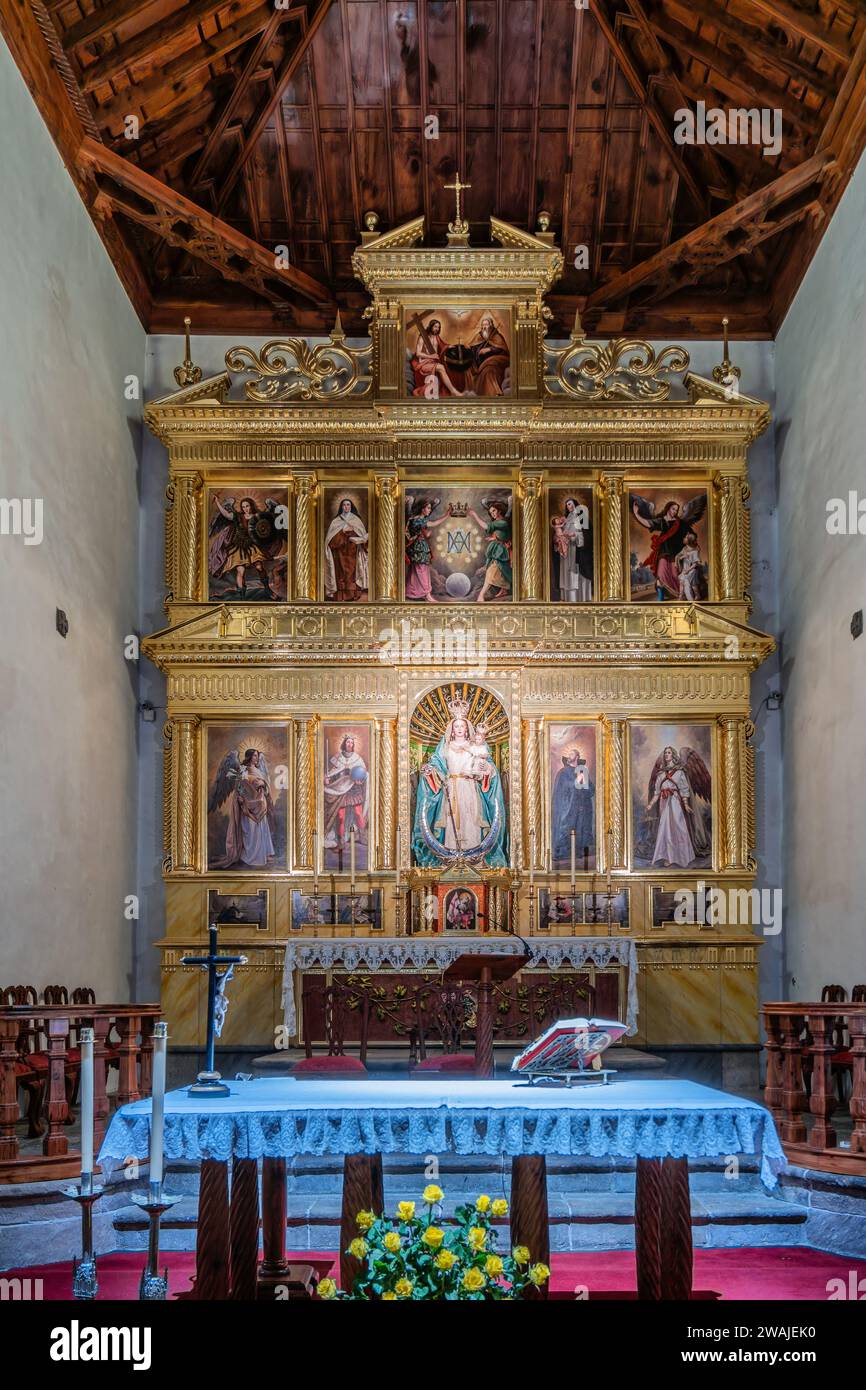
531 860
315 866
352 856
157 1104
573 858
397 852
86 1045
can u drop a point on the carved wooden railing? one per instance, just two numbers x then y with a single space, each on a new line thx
802 1043
130 1027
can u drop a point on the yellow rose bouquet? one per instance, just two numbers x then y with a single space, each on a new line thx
414 1255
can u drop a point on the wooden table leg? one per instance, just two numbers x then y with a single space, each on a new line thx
212 1234
647 1227
663 1229
362 1191
484 1063
274 1268
244 1228
529 1219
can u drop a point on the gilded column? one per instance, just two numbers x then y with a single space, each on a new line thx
306 488
305 809
386 536
533 829
744 524
615 830
734 826
167 804
182 536
184 784
529 493
612 566
386 735
728 494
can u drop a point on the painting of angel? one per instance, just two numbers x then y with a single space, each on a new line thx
246 807
672 795
471 558
676 566
246 557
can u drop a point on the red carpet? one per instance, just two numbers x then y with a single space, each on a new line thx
776 1274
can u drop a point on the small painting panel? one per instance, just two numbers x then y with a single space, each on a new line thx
344 796
457 351
672 795
345 544
248 910
458 544
668 538
247 559
572 544
582 909
311 910
246 796
572 758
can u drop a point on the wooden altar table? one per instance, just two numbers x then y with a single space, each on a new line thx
661 1124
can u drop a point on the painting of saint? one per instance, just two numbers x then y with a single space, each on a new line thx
461 910
345 561
457 352
458 545
460 803
572 569
246 813
675 566
345 796
573 752
238 909
246 557
671 795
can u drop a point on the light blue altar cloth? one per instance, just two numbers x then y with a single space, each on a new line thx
280 1117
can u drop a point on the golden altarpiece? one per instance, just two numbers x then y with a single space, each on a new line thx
458 646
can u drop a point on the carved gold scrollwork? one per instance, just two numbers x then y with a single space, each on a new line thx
530 491
386 536
306 490
305 810
386 733
289 369
184 784
622 369
612 562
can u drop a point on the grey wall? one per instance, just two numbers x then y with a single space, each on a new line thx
820 442
164 352
68 714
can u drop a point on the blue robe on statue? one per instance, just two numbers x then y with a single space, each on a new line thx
432 806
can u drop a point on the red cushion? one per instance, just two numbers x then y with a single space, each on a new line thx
449 1061
843 1059
331 1066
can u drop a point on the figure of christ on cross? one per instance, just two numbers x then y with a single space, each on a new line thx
428 360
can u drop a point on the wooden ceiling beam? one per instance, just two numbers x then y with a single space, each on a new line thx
170 87
605 15
744 40
297 46
147 45
722 238
103 21
801 22
129 190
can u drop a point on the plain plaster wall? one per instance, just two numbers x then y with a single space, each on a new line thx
68 744
820 442
165 351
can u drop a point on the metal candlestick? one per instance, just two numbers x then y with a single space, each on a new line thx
154 1286
84 1283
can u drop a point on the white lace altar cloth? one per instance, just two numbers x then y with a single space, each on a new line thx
425 952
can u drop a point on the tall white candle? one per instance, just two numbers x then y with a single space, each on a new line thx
157 1116
531 861
86 1045
352 856
573 858
398 850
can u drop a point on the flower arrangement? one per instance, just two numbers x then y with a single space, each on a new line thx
412 1257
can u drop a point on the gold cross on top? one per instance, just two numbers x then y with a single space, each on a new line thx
458 189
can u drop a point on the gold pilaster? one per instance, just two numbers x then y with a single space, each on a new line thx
727 490
533 826
386 736
734 823
184 788
387 547
611 559
305 809
744 530
306 488
528 338
529 493
181 540
387 348
167 810
614 838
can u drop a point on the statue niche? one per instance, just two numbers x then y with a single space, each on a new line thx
459 741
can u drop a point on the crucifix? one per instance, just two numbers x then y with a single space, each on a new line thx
458 230
209 1082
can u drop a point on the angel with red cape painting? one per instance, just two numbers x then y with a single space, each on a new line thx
671 534
679 800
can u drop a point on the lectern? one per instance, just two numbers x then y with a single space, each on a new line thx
484 971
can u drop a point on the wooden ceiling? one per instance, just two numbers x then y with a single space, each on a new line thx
267 124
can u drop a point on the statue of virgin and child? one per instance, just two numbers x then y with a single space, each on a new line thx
460 805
